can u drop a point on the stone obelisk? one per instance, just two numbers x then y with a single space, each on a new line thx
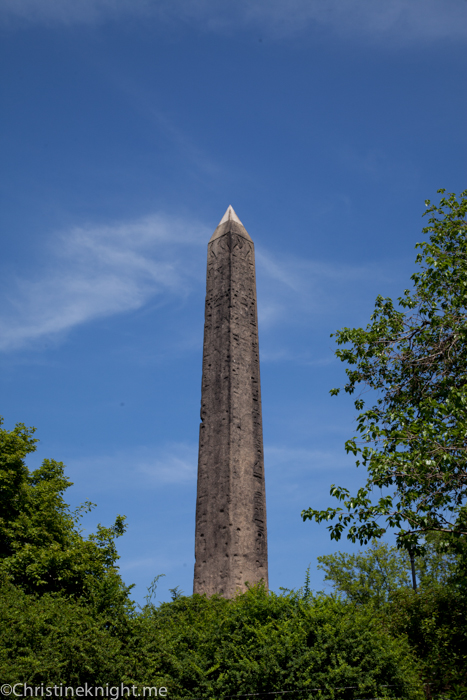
231 538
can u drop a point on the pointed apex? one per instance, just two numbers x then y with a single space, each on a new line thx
230 222
230 215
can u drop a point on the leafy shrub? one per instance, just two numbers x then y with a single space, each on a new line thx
433 619
53 639
261 642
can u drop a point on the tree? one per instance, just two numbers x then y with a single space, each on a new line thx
42 549
432 620
413 355
375 575
368 577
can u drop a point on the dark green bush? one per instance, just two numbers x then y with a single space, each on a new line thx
262 642
53 639
434 621
199 647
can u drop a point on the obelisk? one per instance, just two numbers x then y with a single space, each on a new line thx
231 536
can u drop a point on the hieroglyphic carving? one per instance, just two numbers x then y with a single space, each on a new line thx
231 541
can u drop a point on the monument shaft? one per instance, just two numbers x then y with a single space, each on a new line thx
231 536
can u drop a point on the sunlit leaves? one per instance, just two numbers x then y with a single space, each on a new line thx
42 549
413 356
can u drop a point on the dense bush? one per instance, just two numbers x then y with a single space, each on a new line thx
199 647
434 621
53 639
261 642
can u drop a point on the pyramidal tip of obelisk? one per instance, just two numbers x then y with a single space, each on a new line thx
230 215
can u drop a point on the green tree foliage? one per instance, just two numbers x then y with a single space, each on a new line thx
260 642
433 619
369 577
413 355
199 647
53 638
42 549
374 576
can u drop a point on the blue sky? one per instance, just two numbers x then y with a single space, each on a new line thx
127 128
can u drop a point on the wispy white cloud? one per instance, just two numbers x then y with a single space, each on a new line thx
378 164
175 465
301 357
293 289
403 20
296 476
92 272
286 461
144 101
140 563
142 466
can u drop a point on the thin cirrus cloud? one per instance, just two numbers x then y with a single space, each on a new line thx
294 289
141 466
97 271
400 20
93 272
284 462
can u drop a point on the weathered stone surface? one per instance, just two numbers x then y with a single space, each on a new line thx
231 537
